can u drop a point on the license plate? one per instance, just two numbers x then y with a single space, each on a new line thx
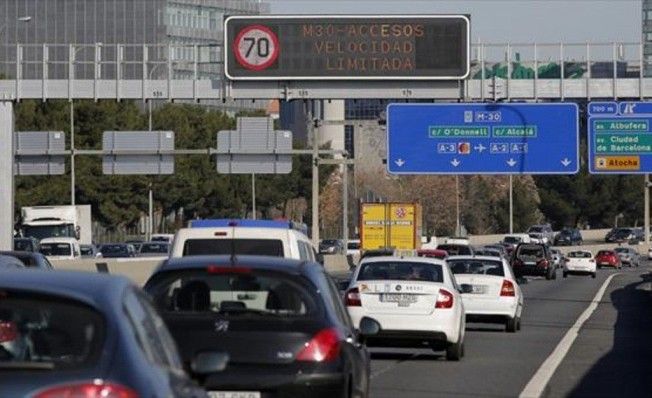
605 264
234 394
403 300
479 289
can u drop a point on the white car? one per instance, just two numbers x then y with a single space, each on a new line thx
414 299
62 248
579 262
490 292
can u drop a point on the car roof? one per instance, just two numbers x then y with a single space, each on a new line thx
466 257
62 239
266 263
411 259
19 254
7 262
91 288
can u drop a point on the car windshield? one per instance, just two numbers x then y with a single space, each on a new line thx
261 247
255 293
56 249
535 229
328 242
401 271
475 266
86 250
45 332
353 245
154 248
111 249
579 255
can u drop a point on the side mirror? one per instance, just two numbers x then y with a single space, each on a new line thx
369 327
209 362
77 233
342 284
466 288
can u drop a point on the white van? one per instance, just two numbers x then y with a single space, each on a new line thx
255 237
62 248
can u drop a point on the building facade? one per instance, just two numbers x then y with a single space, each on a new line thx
144 29
647 35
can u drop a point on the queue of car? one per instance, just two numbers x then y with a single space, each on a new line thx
242 308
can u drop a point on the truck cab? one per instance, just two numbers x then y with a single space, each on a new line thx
42 222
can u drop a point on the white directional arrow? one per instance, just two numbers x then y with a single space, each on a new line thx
480 148
566 162
399 162
511 162
455 162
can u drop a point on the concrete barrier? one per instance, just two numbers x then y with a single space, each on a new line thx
136 269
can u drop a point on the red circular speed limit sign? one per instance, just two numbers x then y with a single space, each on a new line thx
256 47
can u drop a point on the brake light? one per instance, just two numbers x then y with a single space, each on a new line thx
543 263
352 298
444 299
90 389
217 269
591 260
507 289
517 263
323 347
220 233
8 331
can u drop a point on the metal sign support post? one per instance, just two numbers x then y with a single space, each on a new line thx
253 196
457 206
511 204
150 221
72 153
345 207
6 175
646 205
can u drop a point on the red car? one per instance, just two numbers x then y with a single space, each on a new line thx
608 258
434 253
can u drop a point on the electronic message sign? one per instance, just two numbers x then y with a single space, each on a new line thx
354 47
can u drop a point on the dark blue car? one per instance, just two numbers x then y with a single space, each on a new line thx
70 334
280 322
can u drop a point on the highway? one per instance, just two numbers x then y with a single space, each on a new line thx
608 357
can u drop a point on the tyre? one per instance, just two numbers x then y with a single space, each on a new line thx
565 274
454 352
554 273
593 275
548 275
511 326
599 266
518 324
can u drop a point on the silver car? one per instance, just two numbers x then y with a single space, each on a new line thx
556 257
628 256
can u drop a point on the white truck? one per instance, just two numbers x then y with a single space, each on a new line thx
57 221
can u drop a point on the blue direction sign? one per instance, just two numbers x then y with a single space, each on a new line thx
620 137
482 138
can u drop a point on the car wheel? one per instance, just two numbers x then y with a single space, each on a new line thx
454 352
548 275
599 266
518 324
565 274
554 273
511 326
593 275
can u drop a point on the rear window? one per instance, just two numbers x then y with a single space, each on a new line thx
154 248
55 249
86 251
605 253
481 267
46 332
511 239
257 294
353 245
455 250
260 247
621 250
401 271
23 245
109 249
536 229
530 252
579 255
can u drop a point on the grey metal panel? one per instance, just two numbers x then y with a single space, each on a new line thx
138 164
39 142
254 148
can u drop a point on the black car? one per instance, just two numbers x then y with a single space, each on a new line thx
533 259
569 237
331 246
281 323
622 234
454 249
30 259
113 250
26 244
79 334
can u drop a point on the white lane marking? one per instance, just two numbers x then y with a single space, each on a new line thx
390 367
538 382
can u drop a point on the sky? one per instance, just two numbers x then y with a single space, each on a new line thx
503 21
